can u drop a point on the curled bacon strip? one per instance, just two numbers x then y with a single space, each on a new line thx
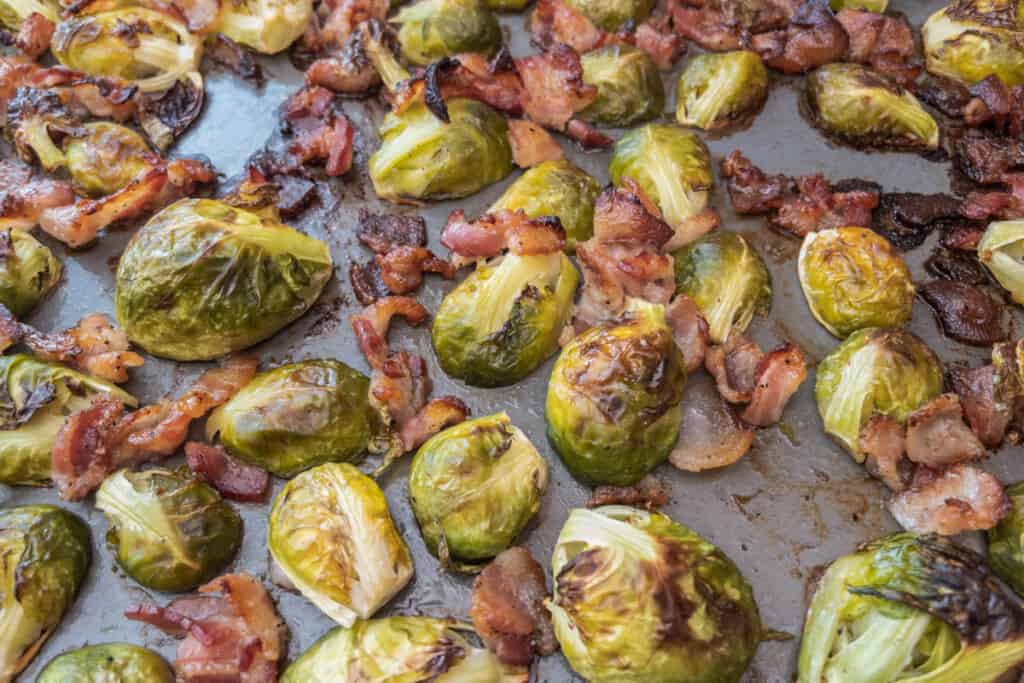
493 233
531 144
553 86
777 378
25 195
961 498
234 479
319 131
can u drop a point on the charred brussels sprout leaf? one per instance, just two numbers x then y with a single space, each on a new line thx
432 29
44 555
422 157
105 157
108 663
719 89
891 372
613 402
967 48
1001 249
35 397
28 271
331 534
474 487
639 597
611 15
267 26
168 530
629 87
1006 541
862 107
853 278
727 279
13 12
202 279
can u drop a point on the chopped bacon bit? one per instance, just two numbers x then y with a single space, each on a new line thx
319 131
469 75
382 231
336 20
883 41
812 38
1000 204
492 233
531 144
648 493
401 385
553 86
779 374
658 41
710 434
402 268
239 59
734 366
233 478
689 330
719 25
554 22
994 103
963 236
988 417
372 323
883 441
34 35
588 136
83 450
965 312
81 93
25 195
961 498
987 159
437 414
937 435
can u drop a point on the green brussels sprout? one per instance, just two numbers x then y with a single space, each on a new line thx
203 278
13 12
267 26
670 164
968 46
555 188
862 107
108 663
331 534
727 279
473 488
169 530
875 370
719 89
869 5
1001 249
1006 541
28 271
853 278
892 611
44 554
432 29
395 650
613 403
154 53
504 320
507 5
35 397
422 157
629 87
641 598
611 15
104 157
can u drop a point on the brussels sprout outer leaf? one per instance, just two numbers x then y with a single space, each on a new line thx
108 663
1001 249
1006 541
432 29
267 26
611 15
970 51
629 87
28 272
717 89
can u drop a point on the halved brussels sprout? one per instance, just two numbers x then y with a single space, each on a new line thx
853 278
331 534
105 157
613 402
108 663
168 529
640 597
44 554
508 5
432 29
891 372
35 397
629 87
13 12
862 107
474 487
611 15
727 279
137 44
718 89
670 164
422 157
203 278
869 5
267 26
967 48
28 271
504 320
1006 541
1001 249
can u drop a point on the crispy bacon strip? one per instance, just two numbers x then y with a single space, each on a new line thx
34 35
319 131
937 435
435 415
553 86
961 498
988 416
25 195
733 365
689 330
83 453
83 94
777 378
883 440
884 42
554 22
470 75
493 233
531 144
372 323
812 38
233 478
718 25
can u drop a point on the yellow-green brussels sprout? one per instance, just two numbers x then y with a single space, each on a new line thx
718 89
137 44
508 5
473 488
28 271
1001 249
108 663
613 403
869 5
267 26
432 29
422 157
105 157
853 278
555 188
862 107
168 529
670 164
203 278
44 555
641 598
891 372
1006 541
503 321
914 609
968 44
13 12
331 534
611 15
395 650
629 87
727 279
35 397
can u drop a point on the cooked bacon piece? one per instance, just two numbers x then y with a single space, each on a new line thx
947 95
963 236
985 158
961 498
508 610
993 103
719 25
988 416
587 136
553 87
83 450
25 195
883 41
343 74
937 435
319 131
383 231
734 367
339 19
689 330
83 94
710 434
237 58
234 479
401 385
751 191
400 261
883 441
778 376
372 323
492 233
471 75
34 35
656 38
812 38
907 218
435 415
648 493
966 313
531 144
554 22
402 268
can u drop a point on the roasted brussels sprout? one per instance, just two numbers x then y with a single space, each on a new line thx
718 89
869 5
28 271
727 279
108 663
44 555
1001 249
473 488
13 12
1006 541
915 609
331 534
203 278
104 157
625 578
503 321
891 372
508 5
629 87
422 157
862 107
432 29
853 278
613 402
969 46
168 530
35 397
267 26
611 15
